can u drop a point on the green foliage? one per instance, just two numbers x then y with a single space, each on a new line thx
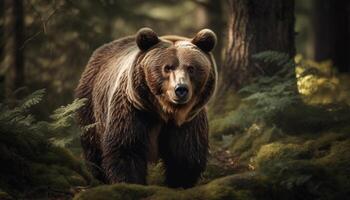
63 116
63 126
275 101
232 187
268 96
155 174
246 145
32 99
15 118
320 84
312 168
300 148
30 162
262 101
275 57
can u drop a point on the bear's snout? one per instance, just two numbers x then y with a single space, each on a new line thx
181 91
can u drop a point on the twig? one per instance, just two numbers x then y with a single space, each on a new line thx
43 21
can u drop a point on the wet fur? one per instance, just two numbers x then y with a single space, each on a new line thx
125 103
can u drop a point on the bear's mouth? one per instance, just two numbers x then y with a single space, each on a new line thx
177 101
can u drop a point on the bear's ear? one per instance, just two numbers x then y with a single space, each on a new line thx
205 40
146 38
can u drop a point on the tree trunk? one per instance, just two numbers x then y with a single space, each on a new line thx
331 23
13 65
2 76
255 26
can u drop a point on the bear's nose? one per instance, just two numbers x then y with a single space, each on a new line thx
181 91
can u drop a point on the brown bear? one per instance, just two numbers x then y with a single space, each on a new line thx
146 96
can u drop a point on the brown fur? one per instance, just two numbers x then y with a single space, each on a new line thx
129 99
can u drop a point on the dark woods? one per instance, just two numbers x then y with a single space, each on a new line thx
279 124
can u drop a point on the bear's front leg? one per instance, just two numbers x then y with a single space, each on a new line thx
184 151
124 148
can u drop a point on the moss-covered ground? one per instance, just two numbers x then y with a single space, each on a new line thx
283 167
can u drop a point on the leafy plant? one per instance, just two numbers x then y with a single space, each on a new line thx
265 99
278 100
63 126
30 162
268 96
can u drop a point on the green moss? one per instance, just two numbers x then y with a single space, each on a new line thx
155 174
117 191
223 125
214 171
276 152
49 176
62 156
337 163
247 144
223 105
338 155
240 187
324 141
314 168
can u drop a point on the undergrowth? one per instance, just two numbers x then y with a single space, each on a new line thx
284 132
33 163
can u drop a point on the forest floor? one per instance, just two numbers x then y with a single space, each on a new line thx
276 167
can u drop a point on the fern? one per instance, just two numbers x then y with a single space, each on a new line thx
63 116
274 57
276 101
29 154
32 99
63 124
267 96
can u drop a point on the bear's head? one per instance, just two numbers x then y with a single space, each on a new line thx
179 72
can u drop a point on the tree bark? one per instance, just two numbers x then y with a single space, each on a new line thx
255 26
13 64
2 76
331 23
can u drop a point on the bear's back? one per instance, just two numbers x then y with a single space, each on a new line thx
107 73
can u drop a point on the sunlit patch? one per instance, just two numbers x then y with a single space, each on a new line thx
319 83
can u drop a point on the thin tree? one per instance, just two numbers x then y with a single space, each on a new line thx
13 65
331 25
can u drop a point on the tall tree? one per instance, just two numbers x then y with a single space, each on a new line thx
331 23
13 37
255 26
2 76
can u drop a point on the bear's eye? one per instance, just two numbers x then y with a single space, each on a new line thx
168 68
190 69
